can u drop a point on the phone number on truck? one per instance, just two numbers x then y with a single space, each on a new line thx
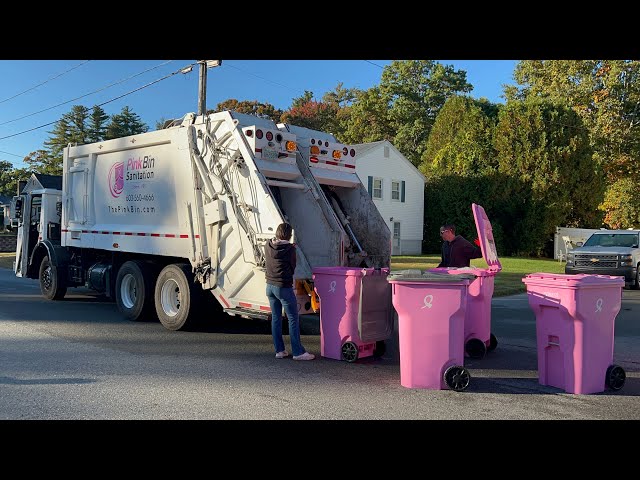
139 197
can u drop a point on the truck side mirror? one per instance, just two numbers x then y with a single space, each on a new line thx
579 244
18 211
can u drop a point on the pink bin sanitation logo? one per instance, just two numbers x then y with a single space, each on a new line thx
116 179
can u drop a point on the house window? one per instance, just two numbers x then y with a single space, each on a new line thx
377 188
395 190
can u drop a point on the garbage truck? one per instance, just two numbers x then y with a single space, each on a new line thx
160 220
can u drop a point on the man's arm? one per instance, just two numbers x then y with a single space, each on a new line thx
470 250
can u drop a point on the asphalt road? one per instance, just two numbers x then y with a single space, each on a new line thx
78 359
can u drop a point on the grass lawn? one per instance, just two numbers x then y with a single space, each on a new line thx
507 282
6 259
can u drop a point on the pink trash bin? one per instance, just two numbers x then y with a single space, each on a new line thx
431 311
478 339
356 314
575 318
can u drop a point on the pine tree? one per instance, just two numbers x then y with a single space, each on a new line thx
124 124
97 125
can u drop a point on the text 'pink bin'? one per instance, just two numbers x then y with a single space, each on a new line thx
575 318
430 328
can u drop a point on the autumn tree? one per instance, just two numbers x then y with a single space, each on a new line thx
404 106
606 95
250 107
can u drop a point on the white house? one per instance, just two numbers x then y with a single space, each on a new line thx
397 189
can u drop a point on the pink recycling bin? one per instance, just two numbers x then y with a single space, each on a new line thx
575 317
356 314
431 311
478 339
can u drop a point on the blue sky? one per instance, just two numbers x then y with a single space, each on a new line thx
30 86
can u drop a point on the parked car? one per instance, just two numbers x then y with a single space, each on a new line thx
608 252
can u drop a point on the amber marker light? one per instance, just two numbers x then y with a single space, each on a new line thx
291 146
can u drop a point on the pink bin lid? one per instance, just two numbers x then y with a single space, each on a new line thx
568 280
485 234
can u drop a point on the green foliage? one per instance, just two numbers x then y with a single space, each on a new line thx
250 107
461 139
369 119
41 161
606 95
622 204
124 124
9 177
404 106
550 177
97 128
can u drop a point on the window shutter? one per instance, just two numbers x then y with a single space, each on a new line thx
370 186
402 192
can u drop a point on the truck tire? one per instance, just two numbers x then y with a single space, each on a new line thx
134 290
52 285
636 285
176 297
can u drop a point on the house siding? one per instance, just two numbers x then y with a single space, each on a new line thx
409 213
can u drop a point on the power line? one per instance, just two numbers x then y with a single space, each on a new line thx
182 70
46 81
265 79
368 61
87 94
8 153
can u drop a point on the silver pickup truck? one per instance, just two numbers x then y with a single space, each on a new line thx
608 252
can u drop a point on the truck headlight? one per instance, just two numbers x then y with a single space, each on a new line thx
569 257
626 260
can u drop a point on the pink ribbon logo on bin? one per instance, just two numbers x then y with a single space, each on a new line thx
598 305
427 301
332 287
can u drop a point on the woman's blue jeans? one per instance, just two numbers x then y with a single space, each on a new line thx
284 297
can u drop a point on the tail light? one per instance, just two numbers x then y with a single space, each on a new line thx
345 151
315 150
269 136
337 154
258 134
249 133
278 137
352 152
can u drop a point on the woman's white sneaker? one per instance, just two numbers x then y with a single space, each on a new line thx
282 354
304 356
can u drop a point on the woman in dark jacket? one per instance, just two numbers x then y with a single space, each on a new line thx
280 256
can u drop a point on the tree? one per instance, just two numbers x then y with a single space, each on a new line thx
314 115
70 129
41 161
606 95
369 119
97 125
404 106
548 172
622 204
9 177
124 124
461 140
250 107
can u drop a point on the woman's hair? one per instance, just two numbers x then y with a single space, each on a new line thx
284 231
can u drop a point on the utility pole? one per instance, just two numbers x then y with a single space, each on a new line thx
202 83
